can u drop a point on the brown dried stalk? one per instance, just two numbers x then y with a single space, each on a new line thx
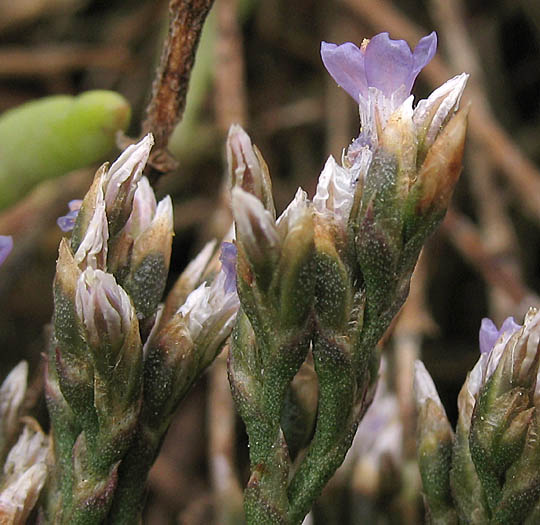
169 90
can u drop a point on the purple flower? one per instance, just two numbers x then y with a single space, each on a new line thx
383 63
228 265
67 222
489 334
6 245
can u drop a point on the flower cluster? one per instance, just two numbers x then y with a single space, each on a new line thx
324 280
488 470
112 336
379 76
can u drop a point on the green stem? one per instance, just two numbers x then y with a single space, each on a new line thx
335 429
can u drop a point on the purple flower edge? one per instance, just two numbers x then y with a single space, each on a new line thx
489 333
6 245
385 64
228 265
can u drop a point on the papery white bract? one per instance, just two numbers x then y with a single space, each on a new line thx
126 171
210 312
92 251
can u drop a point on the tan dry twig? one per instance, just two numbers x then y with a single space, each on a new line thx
169 90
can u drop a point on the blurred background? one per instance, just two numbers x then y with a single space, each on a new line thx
259 64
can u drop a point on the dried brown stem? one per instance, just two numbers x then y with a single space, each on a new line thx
169 90
519 170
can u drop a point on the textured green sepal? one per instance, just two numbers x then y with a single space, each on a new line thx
434 450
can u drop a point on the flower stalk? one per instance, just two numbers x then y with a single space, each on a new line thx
117 370
328 276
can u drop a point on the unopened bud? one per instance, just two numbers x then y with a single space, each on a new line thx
257 238
150 259
12 394
434 448
335 192
104 308
432 114
121 181
442 167
210 311
92 250
25 473
399 139
190 278
296 270
247 168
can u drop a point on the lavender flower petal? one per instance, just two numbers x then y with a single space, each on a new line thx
228 265
6 245
509 325
489 333
345 63
423 53
384 64
67 222
388 64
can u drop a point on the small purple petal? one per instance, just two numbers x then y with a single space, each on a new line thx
489 333
228 265
509 325
384 64
75 204
388 64
6 245
345 63
423 53
67 222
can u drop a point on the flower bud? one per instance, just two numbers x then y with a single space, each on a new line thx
111 330
189 279
257 239
104 309
121 180
140 254
432 114
247 168
335 192
185 345
441 168
12 394
434 448
24 475
295 274
92 250
300 409
399 139
210 311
